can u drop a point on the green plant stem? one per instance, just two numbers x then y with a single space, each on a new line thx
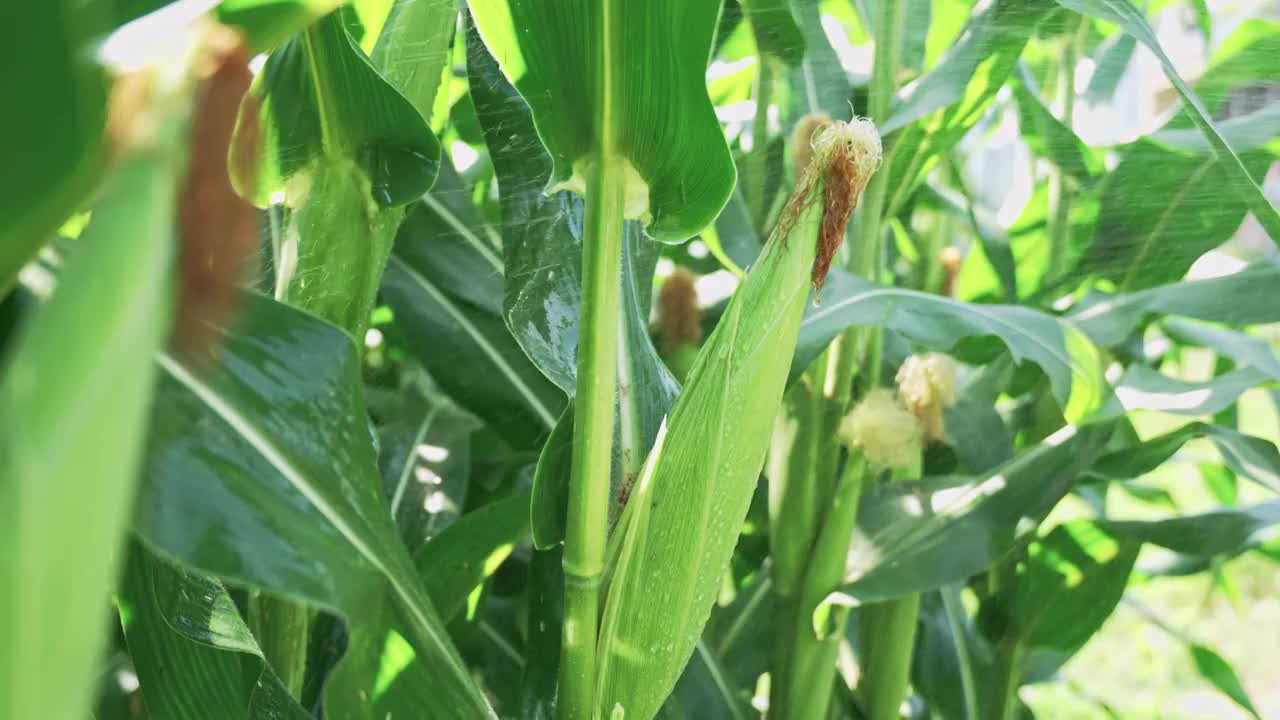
812 657
585 537
954 609
889 634
1059 183
1006 676
281 628
759 157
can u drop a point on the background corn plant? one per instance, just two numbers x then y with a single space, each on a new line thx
414 358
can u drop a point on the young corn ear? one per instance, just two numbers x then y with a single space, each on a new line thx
688 513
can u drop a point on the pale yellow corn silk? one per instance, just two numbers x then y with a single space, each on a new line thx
859 139
802 140
927 386
888 434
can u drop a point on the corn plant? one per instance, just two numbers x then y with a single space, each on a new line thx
591 359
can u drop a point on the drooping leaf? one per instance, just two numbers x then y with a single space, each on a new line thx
1161 210
53 145
1112 60
1252 457
1047 136
1245 350
1130 20
914 537
1226 532
1242 298
74 393
194 655
1143 388
1065 355
261 470
658 111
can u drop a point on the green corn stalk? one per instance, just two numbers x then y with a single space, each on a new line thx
685 516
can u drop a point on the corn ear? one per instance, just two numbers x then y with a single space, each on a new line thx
701 478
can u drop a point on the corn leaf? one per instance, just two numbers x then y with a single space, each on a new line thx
658 104
52 148
1252 457
1153 225
1131 21
919 536
1068 585
262 471
702 480
542 649
1221 675
454 562
445 280
950 98
820 82
424 454
1218 533
1144 388
298 110
192 652
1241 298
74 394
775 29
1063 352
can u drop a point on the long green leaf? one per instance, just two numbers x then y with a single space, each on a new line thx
1069 584
1063 352
466 347
1242 298
914 537
454 562
262 471
1253 457
1153 225
1131 21
1142 388
660 114
194 655
73 397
